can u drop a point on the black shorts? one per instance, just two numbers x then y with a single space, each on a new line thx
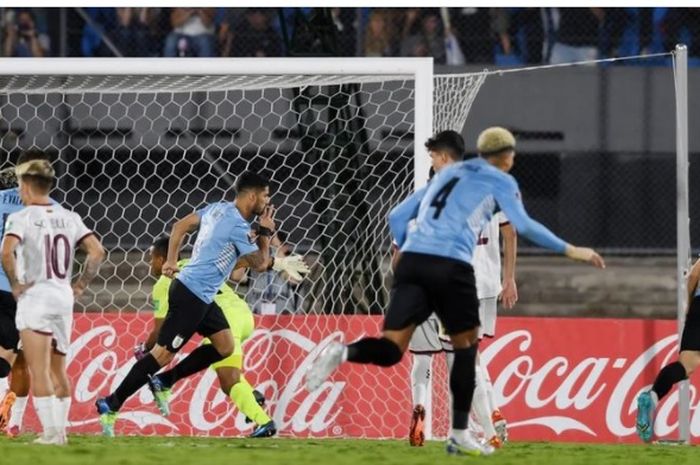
188 314
426 283
690 340
9 336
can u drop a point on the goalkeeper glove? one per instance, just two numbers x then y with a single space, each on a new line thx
140 351
293 265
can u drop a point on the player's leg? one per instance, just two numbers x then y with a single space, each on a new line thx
425 343
59 374
185 314
9 339
230 373
19 385
687 363
213 326
408 307
457 307
37 350
482 410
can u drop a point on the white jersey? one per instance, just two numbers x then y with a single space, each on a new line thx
487 258
48 237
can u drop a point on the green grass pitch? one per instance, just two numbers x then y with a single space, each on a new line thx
95 450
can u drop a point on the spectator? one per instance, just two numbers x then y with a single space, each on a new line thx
378 41
136 32
22 39
577 36
526 30
271 292
429 40
255 37
193 33
472 27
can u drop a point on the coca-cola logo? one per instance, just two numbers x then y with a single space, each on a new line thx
289 404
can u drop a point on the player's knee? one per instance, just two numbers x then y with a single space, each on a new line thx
162 355
225 348
690 361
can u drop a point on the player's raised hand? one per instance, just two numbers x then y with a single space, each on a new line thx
267 219
585 254
509 294
170 268
19 289
78 288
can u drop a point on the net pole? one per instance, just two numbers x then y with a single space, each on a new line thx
682 220
423 121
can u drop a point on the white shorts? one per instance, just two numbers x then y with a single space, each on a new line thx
47 314
427 338
487 316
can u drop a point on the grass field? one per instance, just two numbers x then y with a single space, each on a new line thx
205 451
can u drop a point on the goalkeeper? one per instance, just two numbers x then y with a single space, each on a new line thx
228 370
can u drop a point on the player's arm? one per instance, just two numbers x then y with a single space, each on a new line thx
95 255
508 197
9 264
256 258
177 234
692 281
509 294
403 213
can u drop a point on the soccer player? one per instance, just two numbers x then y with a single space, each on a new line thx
14 403
428 338
435 273
228 370
44 237
224 240
688 360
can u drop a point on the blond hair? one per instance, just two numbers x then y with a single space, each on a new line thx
494 140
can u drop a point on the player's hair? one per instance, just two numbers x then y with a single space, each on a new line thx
249 180
449 141
32 154
494 141
38 173
160 245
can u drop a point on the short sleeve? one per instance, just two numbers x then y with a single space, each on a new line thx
240 236
81 231
160 297
14 226
501 218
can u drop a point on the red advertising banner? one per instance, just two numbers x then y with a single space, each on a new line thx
555 379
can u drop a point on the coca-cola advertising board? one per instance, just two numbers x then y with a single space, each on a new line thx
555 379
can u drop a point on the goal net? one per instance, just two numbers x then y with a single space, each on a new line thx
137 145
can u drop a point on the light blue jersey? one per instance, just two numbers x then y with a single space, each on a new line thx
450 212
9 203
224 235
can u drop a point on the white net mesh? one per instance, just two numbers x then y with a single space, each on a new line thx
135 153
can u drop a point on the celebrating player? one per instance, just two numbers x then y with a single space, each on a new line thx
223 241
435 273
228 370
688 360
44 236
428 340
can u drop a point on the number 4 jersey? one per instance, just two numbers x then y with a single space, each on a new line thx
453 209
48 236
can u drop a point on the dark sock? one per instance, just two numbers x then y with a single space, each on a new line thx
199 359
667 377
137 377
5 368
462 383
378 351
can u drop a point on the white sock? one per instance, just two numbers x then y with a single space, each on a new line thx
45 410
18 413
654 398
62 409
4 385
459 434
420 377
490 393
480 405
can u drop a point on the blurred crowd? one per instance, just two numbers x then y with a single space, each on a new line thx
452 36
